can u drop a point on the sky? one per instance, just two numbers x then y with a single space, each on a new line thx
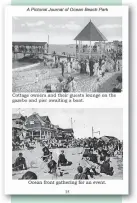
108 121
62 30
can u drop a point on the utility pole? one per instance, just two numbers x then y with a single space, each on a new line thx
71 123
93 132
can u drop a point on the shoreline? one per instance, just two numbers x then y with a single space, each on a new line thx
25 67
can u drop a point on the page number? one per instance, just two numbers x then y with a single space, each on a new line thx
67 191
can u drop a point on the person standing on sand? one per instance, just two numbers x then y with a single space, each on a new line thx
96 68
87 67
68 67
62 68
44 62
115 64
91 66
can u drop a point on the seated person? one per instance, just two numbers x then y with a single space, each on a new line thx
102 156
46 152
87 172
106 168
20 163
118 86
60 85
62 160
80 175
48 88
93 157
52 165
29 175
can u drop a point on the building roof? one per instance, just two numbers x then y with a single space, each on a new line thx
45 118
29 43
18 116
36 122
67 130
90 33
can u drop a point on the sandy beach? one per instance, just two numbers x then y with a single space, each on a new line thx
35 164
25 80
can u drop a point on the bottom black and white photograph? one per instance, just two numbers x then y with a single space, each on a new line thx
67 144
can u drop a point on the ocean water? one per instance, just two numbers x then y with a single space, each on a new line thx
59 49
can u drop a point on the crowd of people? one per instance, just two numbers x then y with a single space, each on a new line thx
94 66
95 159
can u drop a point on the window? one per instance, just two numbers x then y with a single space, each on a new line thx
19 122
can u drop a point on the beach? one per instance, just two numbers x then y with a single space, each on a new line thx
35 164
35 78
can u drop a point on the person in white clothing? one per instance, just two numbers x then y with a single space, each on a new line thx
87 66
68 67
73 64
96 67
72 85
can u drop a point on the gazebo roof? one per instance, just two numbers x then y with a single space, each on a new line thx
90 33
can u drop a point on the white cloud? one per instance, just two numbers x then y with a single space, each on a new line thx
70 26
55 26
110 26
38 23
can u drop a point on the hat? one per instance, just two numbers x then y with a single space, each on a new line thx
20 154
29 175
60 79
80 169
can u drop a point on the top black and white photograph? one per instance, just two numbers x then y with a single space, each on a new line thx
67 54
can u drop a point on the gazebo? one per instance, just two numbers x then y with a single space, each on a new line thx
89 33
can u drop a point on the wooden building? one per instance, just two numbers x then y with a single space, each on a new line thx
40 127
18 129
32 48
65 134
